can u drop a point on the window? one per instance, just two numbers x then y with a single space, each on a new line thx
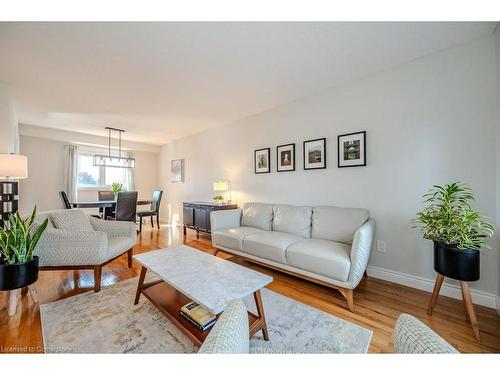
92 176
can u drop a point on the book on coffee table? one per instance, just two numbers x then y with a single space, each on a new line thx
198 315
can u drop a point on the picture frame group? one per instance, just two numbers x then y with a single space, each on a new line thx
351 153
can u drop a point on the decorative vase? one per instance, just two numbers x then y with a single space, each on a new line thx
15 276
456 263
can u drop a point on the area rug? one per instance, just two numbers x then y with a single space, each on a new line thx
108 322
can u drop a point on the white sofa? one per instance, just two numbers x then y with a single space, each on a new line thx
324 244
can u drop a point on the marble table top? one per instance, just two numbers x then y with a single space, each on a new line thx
212 282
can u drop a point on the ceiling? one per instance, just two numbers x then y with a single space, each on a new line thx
162 81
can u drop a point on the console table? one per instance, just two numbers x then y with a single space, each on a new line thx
196 215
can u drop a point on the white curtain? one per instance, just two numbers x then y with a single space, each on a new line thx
71 171
129 175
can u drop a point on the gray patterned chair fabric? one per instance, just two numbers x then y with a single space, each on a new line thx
411 336
83 242
230 334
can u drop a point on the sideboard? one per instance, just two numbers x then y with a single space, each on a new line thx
196 215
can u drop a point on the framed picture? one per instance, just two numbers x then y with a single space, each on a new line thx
262 160
285 158
352 149
315 154
177 170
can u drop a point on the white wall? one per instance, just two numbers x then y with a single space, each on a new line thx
9 134
45 169
431 121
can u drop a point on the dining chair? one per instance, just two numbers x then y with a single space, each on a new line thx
65 200
126 206
105 195
154 210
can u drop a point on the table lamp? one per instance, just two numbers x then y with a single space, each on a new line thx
221 187
12 168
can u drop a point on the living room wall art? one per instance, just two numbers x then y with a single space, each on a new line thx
177 170
352 149
285 158
315 154
262 161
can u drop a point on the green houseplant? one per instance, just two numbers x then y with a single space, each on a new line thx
116 187
458 231
18 265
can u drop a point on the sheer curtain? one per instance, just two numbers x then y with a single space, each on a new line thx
129 175
71 171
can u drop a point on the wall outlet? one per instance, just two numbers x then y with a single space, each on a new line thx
381 247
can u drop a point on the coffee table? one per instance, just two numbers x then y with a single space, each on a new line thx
189 275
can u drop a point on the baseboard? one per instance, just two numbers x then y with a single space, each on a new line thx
417 282
498 305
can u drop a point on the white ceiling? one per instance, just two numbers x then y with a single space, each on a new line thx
161 81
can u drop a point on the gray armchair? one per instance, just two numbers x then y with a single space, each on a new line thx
76 241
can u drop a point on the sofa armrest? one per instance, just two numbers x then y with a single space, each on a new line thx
58 247
411 336
115 228
225 219
360 252
230 333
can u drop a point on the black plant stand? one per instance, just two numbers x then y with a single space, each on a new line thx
470 315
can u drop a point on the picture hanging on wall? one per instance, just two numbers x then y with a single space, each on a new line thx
352 149
285 158
262 162
177 170
315 154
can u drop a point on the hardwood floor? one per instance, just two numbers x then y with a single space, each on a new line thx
378 302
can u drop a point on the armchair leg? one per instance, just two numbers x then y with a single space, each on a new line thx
97 278
130 253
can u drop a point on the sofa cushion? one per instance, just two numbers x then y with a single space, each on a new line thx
257 215
269 245
232 238
71 220
323 257
337 223
292 219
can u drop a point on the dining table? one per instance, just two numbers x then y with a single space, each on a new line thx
107 206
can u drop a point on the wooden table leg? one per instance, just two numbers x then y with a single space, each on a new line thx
435 293
13 299
140 284
470 308
260 313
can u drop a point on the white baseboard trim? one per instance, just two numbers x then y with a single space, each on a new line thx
448 290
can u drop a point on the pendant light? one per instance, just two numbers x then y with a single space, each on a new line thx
114 161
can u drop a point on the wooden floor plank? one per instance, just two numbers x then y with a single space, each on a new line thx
378 302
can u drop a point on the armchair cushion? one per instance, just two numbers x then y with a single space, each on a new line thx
117 245
322 257
411 336
231 333
71 220
115 228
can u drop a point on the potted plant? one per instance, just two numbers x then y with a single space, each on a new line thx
218 199
18 265
458 232
116 187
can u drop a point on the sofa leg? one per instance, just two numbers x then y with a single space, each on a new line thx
349 295
130 253
97 278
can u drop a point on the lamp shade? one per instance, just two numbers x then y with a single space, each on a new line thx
221 186
13 167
